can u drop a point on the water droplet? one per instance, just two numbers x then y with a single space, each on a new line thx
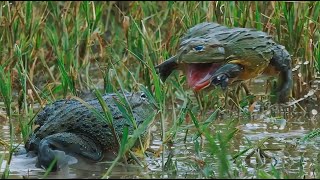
296 68
310 93
314 112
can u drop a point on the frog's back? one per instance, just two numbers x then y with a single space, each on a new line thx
75 117
203 29
257 44
247 44
251 48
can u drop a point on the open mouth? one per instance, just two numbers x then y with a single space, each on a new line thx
199 74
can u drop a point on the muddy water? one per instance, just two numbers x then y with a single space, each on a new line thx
283 149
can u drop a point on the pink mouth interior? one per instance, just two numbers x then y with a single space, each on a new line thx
198 74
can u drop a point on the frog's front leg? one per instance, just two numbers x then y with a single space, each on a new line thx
224 73
165 69
69 143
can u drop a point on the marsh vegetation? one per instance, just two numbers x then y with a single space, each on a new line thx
55 50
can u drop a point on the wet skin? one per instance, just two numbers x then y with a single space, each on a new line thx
215 55
69 126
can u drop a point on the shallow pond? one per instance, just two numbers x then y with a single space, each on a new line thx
280 137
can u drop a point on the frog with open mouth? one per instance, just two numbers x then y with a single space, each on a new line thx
214 55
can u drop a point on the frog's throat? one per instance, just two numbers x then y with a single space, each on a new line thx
199 74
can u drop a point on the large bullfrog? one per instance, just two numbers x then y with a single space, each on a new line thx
212 54
68 125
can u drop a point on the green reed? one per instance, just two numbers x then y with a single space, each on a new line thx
6 94
218 146
23 104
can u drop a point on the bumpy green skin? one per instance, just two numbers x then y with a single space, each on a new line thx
250 53
68 125
254 47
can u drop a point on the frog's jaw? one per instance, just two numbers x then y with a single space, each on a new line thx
199 74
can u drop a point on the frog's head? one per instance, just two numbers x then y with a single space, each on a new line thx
202 56
137 98
201 50
140 103
143 111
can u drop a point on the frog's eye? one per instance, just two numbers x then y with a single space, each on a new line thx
198 48
143 96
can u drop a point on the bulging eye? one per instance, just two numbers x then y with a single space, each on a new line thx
198 48
143 96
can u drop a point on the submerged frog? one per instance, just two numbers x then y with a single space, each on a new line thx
212 54
69 126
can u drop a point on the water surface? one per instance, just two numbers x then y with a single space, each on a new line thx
282 135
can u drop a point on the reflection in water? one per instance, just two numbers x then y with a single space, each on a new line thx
284 137
23 166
